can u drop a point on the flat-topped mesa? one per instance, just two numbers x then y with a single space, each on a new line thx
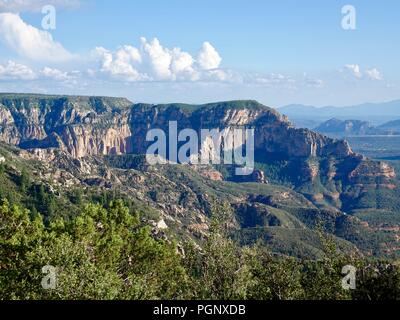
85 126
275 137
209 116
102 125
273 131
283 138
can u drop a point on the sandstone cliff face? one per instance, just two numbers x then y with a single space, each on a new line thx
83 140
279 136
8 130
80 125
90 126
273 132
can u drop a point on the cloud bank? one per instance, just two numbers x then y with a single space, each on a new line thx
355 71
153 62
30 42
15 71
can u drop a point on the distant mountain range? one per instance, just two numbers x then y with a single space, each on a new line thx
311 116
391 125
345 128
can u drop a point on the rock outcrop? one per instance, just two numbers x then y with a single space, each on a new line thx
80 125
96 126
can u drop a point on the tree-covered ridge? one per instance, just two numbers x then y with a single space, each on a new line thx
92 102
223 105
181 197
35 100
104 252
105 248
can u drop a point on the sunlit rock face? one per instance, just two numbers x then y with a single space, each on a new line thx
91 126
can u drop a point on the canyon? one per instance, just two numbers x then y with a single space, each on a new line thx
300 176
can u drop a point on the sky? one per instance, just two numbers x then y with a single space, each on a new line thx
160 51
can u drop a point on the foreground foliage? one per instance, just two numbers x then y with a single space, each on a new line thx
105 252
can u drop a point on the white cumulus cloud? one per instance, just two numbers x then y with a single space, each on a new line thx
374 74
121 64
354 70
30 42
208 57
182 62
154 62
54 74
158 59
15 71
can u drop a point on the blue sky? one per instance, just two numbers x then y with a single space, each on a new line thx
277 52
